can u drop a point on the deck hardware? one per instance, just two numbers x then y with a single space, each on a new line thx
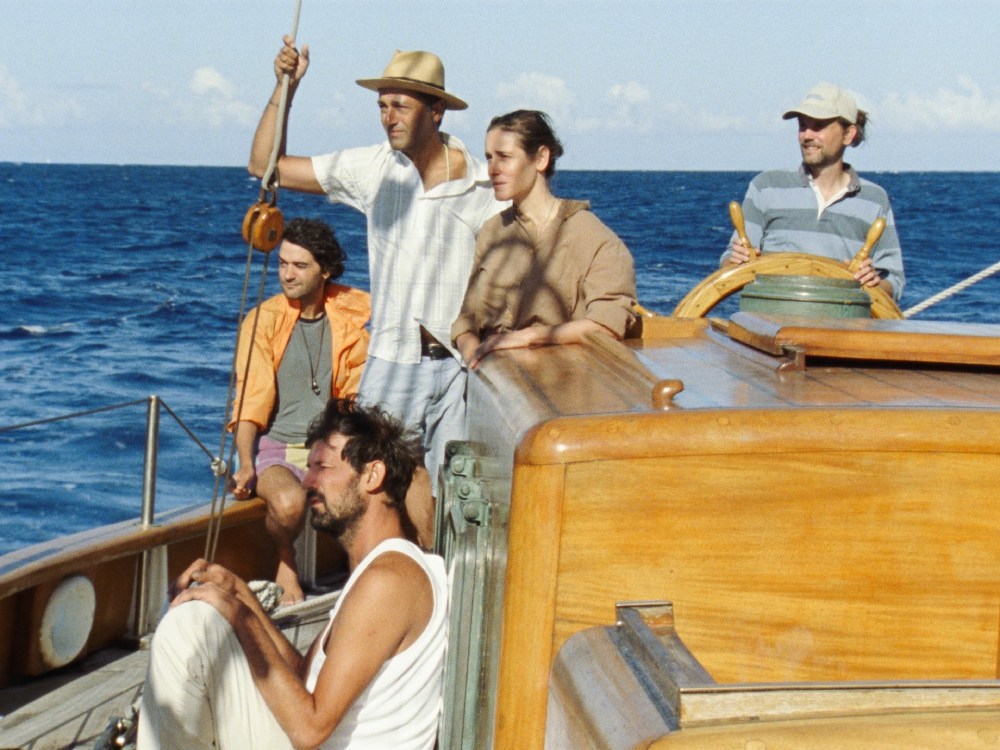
645 636
264 225
664 392
466 535
219 466
149 460
796 358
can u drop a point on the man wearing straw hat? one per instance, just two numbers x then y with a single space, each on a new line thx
823 207
424 197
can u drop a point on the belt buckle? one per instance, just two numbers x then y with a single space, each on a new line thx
435 350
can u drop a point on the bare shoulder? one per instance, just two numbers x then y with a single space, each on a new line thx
395 573
392 597
392 579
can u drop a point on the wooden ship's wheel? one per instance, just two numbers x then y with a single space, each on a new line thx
728 280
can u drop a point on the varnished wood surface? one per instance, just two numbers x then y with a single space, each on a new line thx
865 339
830 572
944 730
597 700
109 557
833 523
717 373
24 568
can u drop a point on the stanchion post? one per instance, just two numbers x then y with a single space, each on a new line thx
149 463
142 618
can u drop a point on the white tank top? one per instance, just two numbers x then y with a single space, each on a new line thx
401 707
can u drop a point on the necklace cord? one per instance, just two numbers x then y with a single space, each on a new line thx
314 369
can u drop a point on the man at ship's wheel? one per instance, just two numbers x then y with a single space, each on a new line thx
824 207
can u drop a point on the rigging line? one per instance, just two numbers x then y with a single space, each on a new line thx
50 420
952 290
282 109
215 525
223 470
180 422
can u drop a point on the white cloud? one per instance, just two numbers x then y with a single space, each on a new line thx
217 102
210 82
627 107
210 99
19 109
964 107
13 103
539 91
631 93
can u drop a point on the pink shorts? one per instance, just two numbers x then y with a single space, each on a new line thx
292 456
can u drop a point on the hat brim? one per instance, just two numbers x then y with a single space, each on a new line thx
375 84
817 113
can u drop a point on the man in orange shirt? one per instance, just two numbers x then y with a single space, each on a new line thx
308 344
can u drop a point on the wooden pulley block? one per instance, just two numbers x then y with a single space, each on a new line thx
263 226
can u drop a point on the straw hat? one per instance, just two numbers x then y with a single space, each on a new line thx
415 71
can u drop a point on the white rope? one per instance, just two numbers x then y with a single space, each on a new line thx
952 290
282 107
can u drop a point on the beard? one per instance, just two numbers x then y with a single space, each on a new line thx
342 520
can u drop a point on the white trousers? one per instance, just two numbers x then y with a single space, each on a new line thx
199 692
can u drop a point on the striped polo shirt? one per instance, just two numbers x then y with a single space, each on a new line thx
783 214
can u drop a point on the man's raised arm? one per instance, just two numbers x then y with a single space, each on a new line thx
294 172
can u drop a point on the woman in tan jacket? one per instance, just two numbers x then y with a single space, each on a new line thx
546 270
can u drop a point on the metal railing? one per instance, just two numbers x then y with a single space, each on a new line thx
154 404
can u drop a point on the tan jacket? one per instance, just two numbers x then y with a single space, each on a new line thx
576 268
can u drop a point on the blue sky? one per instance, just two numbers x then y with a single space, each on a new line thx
630 84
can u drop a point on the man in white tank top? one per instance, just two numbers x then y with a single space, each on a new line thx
222 675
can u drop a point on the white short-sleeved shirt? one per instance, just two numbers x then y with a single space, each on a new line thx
420 244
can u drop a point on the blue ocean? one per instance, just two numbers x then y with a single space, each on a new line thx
120 282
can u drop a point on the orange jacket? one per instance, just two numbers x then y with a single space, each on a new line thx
348 311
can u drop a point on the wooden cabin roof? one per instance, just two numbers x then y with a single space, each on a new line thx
813 513
757 362
760 362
